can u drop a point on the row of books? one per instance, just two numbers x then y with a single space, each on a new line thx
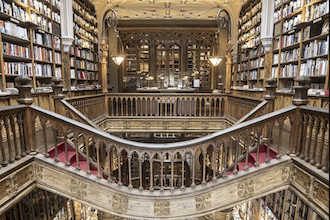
288 40
250 13
87 16
42 54
13 10
255 30
58 72
316 48
56 17
43 23
40 7
274 72
56 42
72 73
43 39
255 20
317 10
289 24
82 75
316 67
254 63
10 28
290 70
291 7
82 32
56 3
83 23
244 75
290 55
17 68
80 64
91 76
91 66
58 58
15 50
43 69
317 85
254 75
82 43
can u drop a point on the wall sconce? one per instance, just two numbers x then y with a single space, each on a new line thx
222 22
111 22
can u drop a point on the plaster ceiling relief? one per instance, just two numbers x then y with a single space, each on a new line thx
168 9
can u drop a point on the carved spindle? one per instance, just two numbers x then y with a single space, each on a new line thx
161 106
280 132
165 105
141 106
146 106
132 102
13 129
309 138
86 140
193 185
44 133
269 135
21 134
214 156
109 164
140 174
205 106
200 106
236 156
67 163
119 169
225 159
304 133
117 106
112 101
55 147
172 174
129 158
313 149
182 173
121 107
323 131
204 167
151 176
4 158
75 141
10 150
162 174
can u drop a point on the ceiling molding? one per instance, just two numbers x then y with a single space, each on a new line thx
168 23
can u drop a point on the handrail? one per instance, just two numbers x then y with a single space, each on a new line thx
252 113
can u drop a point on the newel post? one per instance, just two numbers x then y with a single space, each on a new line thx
300 98
24 85
270 94
57 87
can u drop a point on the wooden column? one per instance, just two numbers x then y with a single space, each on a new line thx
104 66
229 64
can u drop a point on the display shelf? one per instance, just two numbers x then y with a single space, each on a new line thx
300 43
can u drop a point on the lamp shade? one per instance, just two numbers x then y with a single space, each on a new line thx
215 60
118 59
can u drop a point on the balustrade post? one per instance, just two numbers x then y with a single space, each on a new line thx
301 89
313 149
182 173
193 185
204 167
280 131
225 158
119 169
323 129
75 141
151 181
214 179
140 174
57 94
129 158
24 85
162 174
172 174
107 149
270 94
236 157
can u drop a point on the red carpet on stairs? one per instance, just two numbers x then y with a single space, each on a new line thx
252 158
71 158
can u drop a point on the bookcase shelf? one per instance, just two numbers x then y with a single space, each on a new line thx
303 49
248 71
83 54
28 45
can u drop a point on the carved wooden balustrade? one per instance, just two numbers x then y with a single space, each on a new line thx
137 104
167 166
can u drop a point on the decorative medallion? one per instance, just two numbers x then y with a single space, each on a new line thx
11 183
203 202
322 194
205 125
165 125
245 188
145 124
185 125
36 172
162 207
287 173
126 124
120 203
78 188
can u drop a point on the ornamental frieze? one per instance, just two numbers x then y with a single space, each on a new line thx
78 188
119 203
203 202
245 188
162 208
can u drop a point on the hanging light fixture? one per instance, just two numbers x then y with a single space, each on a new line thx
112 21
215 58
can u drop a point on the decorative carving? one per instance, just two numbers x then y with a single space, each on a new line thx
11 183
146 124
287 173
126 124
162 207
185 125
301 179
78 188
246 188
203 202
205 125
165 125
120 203
36 172
322 194
312 187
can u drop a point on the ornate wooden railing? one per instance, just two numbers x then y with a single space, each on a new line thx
168 166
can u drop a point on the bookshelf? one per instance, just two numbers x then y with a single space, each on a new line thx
83 53
249 74
301 44
30 42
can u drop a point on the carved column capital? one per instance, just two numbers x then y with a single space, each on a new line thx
67 42
267 42
57 87
24 85
301 89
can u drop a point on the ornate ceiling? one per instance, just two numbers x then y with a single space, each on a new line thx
169 9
